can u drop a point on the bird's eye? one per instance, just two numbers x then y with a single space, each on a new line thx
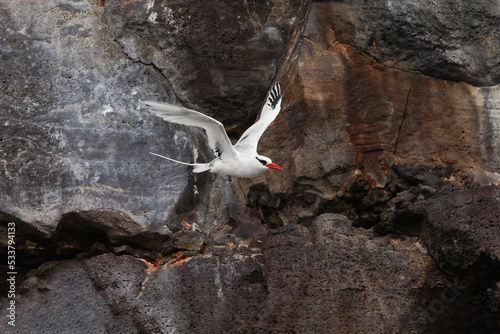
264 162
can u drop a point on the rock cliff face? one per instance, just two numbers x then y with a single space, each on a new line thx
385 219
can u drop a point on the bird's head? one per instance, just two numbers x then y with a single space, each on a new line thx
266 162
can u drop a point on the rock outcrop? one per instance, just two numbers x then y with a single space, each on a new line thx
304 280
446 39
385 219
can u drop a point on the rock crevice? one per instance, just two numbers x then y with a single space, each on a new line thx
404 116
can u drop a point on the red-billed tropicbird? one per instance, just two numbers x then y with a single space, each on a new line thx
239 160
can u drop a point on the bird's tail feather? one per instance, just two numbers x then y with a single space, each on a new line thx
197 168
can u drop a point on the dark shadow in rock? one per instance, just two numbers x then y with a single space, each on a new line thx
459 301
244 222
267 204
193 199
416 174
85 233
31 248
105 226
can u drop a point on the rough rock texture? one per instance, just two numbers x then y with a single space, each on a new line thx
353 119
463 226
385 219
214 54
447 39
72 135
298 280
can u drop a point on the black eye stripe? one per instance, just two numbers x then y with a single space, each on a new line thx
261 161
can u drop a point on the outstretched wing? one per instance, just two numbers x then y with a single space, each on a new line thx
271 109
217 136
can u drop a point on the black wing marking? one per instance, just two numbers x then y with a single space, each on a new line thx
218 152
271 108
275 95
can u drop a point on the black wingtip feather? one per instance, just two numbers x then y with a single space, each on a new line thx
275 95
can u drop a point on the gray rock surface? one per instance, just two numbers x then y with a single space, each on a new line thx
218 56
73 136
446 39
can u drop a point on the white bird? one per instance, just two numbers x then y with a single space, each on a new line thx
242 159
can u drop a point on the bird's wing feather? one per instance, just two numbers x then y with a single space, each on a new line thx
217 136
271 109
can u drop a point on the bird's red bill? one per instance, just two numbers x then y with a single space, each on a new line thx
272 165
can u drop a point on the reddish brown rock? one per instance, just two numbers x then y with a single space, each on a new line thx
347 117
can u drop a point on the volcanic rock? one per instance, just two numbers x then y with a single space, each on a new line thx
385 219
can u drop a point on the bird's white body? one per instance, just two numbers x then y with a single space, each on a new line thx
240 160
242 167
